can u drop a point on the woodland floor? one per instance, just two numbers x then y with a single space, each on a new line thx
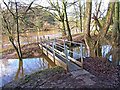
105 73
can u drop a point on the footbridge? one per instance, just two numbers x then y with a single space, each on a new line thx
57 51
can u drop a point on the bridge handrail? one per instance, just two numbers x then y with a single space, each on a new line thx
59 44
65 47
73 52
45 40
71 41
57 52
54 49
62 55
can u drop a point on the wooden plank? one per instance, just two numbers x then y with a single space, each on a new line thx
48 60
72 59
57 60
50 55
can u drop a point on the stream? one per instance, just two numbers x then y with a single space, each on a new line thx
10 67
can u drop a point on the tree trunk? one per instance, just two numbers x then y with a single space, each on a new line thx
18 40
16 49
115 36
108 19
63 27
66 20
11 39
87 37
80 8
88 17
84 18
76 22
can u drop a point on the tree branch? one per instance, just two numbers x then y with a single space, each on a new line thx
9 9
97 21
109 17
29 7
109 53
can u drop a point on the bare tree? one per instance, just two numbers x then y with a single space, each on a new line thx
66 19
94 44
15 17
60 16
116 37
80 8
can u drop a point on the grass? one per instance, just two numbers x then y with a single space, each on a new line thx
56 69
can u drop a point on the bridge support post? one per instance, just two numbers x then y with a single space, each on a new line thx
67 61
53 43
82 56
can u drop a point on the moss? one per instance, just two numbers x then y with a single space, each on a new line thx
27 76
46 72
38 72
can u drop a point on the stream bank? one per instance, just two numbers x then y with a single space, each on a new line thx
104 73
57 77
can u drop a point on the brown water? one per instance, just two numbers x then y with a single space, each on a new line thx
32 37
10 68
29 37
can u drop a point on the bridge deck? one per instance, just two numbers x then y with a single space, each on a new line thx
72 66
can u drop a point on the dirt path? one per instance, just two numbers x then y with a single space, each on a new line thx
55 78
58 78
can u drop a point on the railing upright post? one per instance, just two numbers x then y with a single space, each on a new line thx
41 40
82 56
53 51
48 40
41 43
67 61
37 39
87 52
64 45
55 42
44 38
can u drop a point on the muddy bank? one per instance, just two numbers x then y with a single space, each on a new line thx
105 73
28 51
56 78
103 69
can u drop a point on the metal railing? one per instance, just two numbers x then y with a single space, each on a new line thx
64 47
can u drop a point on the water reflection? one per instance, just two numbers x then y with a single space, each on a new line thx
15 69
75 52
20 68
105 50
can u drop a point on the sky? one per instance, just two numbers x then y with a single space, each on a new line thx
44 3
